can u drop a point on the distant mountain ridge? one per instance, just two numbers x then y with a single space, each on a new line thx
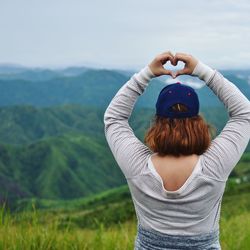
22 125
10 68
39 74
88 87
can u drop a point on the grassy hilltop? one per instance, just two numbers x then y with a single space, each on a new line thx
108 221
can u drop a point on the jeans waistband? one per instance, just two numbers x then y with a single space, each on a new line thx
151 239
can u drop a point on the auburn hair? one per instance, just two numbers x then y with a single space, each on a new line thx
179 136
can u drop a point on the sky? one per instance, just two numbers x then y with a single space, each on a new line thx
123 34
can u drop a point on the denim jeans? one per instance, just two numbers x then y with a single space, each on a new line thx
153 240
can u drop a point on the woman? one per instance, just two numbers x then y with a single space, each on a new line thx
178 179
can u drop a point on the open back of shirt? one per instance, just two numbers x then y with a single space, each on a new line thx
174 171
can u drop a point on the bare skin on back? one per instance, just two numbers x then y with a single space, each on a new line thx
174 171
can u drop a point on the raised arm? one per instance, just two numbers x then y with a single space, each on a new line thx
227 148
129 152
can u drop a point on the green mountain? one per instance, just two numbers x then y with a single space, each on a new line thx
25 124
63 167
87 87
39 74
94 87
61 153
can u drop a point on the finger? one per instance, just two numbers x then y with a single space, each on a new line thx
165 60
181 72
168 52
182 54
167 72
166 56
180 57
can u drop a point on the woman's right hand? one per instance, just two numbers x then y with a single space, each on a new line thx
190 63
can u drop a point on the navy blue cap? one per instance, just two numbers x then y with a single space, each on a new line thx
177 93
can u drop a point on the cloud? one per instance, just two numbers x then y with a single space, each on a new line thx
124 34
196 84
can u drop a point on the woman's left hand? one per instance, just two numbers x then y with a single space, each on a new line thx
156 66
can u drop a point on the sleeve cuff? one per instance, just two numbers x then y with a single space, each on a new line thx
145 74
203 71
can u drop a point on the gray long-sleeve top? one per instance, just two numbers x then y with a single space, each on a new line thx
195 207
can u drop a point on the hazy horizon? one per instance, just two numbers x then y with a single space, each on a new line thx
96 66
127 36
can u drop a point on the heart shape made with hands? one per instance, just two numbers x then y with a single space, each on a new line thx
179 65
157 65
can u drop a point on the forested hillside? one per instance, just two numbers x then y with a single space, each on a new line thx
54 147
90 87
61 152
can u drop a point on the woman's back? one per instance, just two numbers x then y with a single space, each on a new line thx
192 207
174 171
